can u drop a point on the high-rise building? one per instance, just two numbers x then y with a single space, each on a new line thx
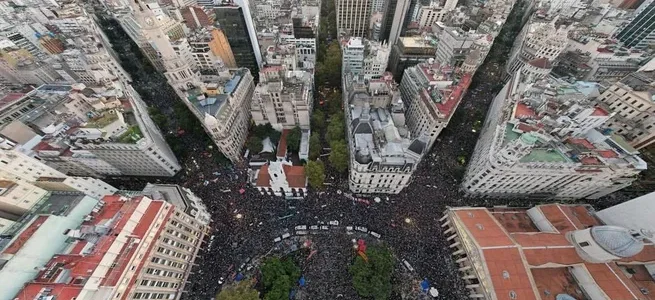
639 33
353 17
137 248
453 46
283 98
431 94
547 250
409 51
98 131
220 46
383 152
537 40
150 27
22 168
28 244
365 57
223 107
195 17
631 98
541 141
236 23
183 199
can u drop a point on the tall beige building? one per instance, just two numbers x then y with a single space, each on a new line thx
632 100
353 17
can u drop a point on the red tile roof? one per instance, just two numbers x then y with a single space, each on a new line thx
484 228
599 112
10 99
613 282
542 63
295 176
25 235
263 178
525 127
582 142
541 256
590 160
448 107
552 251
607 153
82 266
508 274
523 111
282 145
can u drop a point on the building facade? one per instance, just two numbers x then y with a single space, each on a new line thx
353 17
537 144
556 249
537 40
283 98
631 99
152 246
639 33
431 94
383 152
243 42
223 107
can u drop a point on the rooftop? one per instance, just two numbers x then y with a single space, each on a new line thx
103 227
521 259
10 99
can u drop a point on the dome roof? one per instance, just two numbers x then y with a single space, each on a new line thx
617 240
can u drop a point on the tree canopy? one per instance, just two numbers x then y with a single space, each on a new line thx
315 171
266 131
238 291
336 129
314 146
279 276
372 278
318 120
293 139
255 145
339 155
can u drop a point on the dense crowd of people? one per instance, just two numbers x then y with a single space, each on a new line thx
246 222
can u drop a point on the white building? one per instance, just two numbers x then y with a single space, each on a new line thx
283 98
431 94
353 17
540 142
19 167
365 57
631 98
281 179
223 106
183 198
537 40
454 44
100 131
383 152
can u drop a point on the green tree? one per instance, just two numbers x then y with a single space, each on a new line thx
293 139
238 291
318 120
336 129
372 278
315 171
339 155
279 276
334 103
328 72
314 146
254 143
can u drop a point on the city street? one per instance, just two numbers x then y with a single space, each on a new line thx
245 225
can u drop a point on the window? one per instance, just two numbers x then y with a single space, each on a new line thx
583 244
